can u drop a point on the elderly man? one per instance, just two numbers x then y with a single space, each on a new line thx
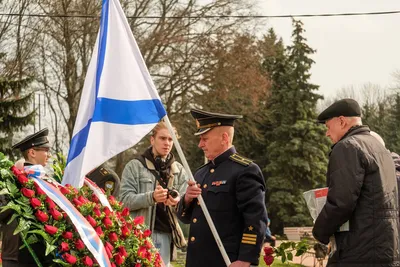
362 190
35 149
233 189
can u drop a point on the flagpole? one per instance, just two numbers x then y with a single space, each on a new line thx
199 198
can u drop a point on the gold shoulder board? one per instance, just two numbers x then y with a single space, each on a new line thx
240 159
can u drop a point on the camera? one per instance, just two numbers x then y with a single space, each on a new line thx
172 192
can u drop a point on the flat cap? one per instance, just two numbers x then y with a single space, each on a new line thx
38 139
206 120
345 107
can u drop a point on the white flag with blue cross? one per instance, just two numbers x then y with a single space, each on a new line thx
119 103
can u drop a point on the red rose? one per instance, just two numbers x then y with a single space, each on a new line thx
15 170
118 259
268 250
147 244
35 203
146 233
107 211
83 200
99 231
95 199
55 214
64 190
138 265
138 220
109 246
79 245
112 263
67 235
269 259
77 202
39 190
125 231
122 251
113 237
142 252
22 179
111 199
91 220
69 258
41 216
87 261
27 192
125 212
107 222
64 246
50 203
97 212
50 229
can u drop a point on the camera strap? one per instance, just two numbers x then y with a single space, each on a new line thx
154 172
177 234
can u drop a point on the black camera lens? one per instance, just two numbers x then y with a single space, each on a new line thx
173 193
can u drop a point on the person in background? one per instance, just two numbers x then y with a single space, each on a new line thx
35 150
106 179
269 238
151 186
362 191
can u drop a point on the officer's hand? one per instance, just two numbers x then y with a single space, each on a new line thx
240 264
160 194
172 201
192 192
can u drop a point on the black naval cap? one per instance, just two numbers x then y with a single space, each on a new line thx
38 139
205 120
345 107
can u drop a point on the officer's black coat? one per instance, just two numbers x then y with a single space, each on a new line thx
233 189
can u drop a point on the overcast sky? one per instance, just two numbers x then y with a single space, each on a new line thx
350 50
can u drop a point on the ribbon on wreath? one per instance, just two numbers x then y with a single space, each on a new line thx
85 230
98 192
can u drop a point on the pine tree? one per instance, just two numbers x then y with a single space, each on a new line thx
392 126
14 113
296 149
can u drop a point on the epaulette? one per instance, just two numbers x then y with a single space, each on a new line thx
240 159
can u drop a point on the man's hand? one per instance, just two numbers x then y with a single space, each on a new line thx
160 194
240 264
172 201
192 192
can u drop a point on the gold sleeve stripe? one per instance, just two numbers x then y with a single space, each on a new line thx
248 242
249 239
249 235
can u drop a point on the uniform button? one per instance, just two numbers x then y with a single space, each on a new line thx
205 186
183 214
194 220
212 170
198 202
192 238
